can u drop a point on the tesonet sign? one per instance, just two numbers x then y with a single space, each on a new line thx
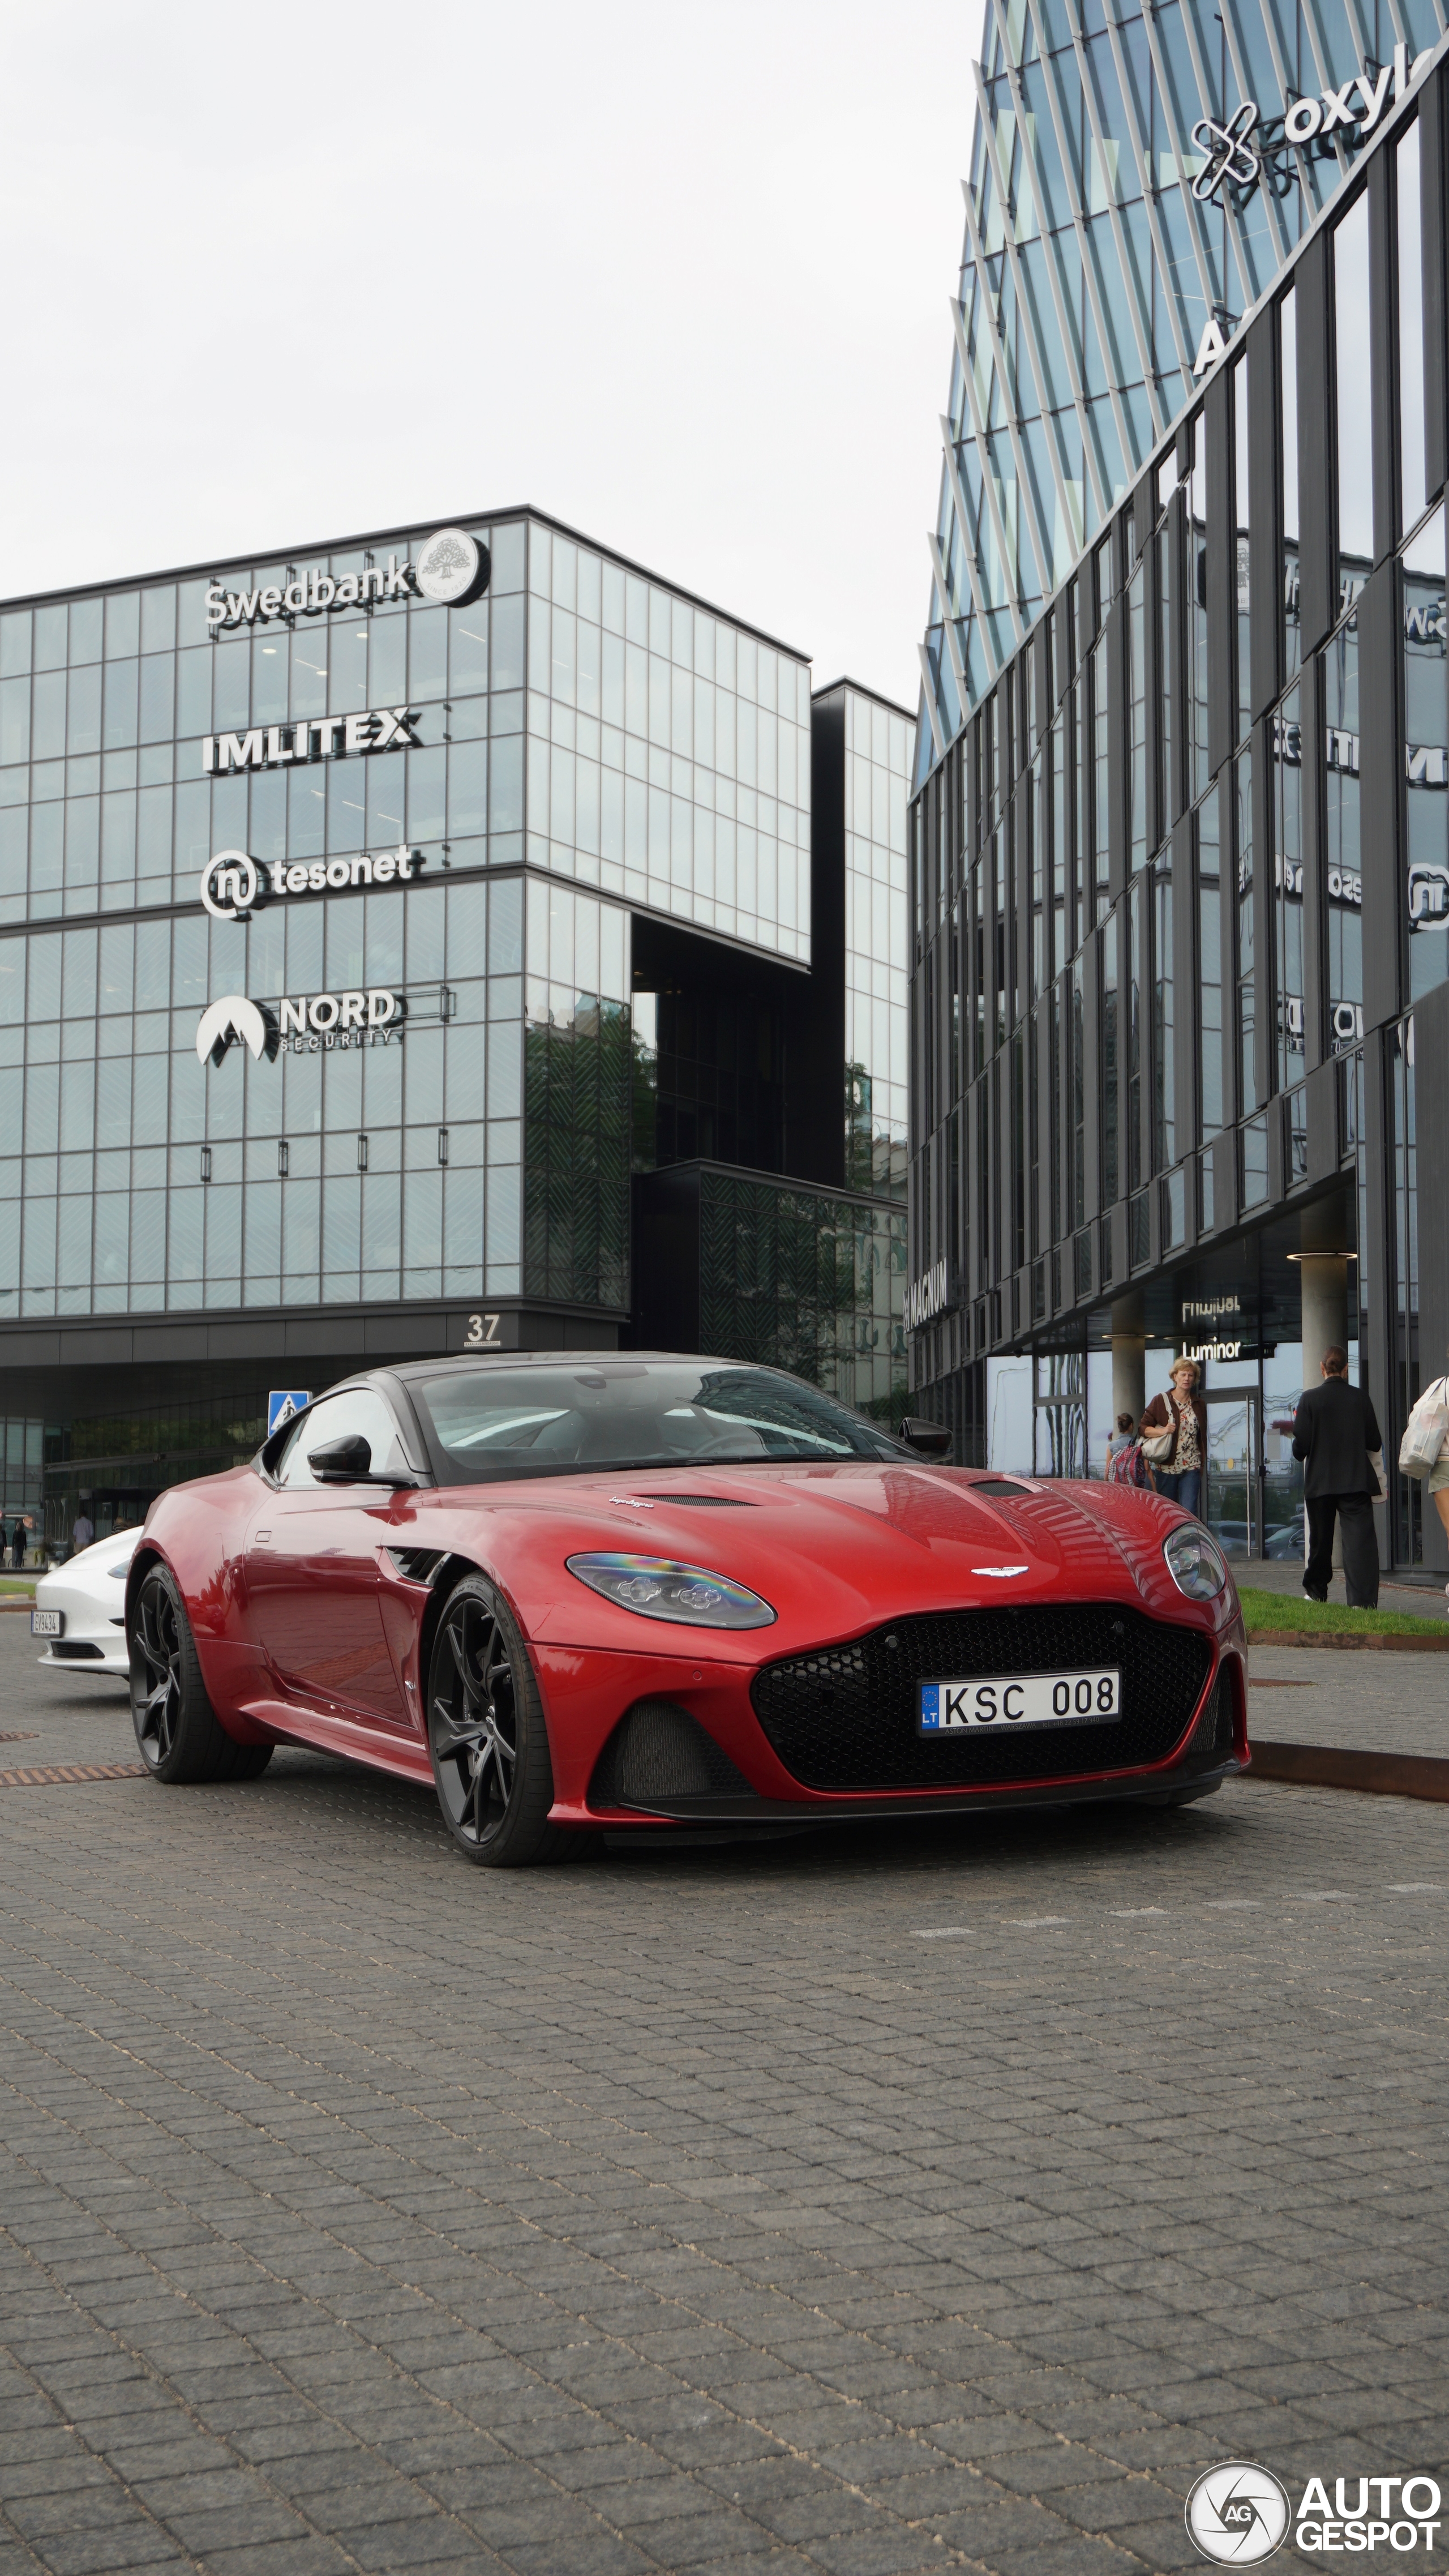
299 1024
233 883
451 568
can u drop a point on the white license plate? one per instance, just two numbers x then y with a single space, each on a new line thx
47 1623
1008 1701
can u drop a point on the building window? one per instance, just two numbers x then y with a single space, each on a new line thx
1246 987
1137 977
1255 1162
1195 614
1344 853
1241 547
1288 887
1136 646
1426 756
1167 776
1100 766
1353 387
1164 1099
1412 476
1408 1491
1288 414
1111 1179
1210 969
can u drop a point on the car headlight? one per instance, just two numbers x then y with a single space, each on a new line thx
1194 1562
660 1589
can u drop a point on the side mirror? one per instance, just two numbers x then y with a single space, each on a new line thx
347 1461
931 1439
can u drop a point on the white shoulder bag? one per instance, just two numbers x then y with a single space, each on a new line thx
1425 1431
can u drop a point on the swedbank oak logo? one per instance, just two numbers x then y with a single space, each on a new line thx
235 1021
451 567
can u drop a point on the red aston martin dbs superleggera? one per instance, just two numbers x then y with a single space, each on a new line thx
676 1597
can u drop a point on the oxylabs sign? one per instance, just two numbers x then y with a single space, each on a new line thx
1234 151
451 568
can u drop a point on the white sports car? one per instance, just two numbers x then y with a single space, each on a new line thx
80 1608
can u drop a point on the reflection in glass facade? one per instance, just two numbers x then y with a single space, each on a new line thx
321 904
877 990
1098 249
1182 881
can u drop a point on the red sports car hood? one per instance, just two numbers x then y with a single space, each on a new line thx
833 1549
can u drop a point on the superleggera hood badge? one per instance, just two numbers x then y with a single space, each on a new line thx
1001 1571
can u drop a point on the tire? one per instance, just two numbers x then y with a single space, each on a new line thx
487 1740
177 1729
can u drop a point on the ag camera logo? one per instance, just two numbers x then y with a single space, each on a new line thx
1237 2514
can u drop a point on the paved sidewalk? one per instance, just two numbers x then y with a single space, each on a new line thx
1372 1703
859 2204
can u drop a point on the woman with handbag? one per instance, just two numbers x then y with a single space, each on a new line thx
1424 1450
1174 1438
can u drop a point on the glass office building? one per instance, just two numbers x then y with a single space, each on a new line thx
342 896
1139 176
1180 893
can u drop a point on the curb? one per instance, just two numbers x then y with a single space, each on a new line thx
1326 1766
1436 1643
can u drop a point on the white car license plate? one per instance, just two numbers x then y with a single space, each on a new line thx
47 1623
1012 1700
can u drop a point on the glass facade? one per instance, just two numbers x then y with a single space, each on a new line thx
323 1022
877 981
1194 1069
1113 215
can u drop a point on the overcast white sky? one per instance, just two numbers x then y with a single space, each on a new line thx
676 273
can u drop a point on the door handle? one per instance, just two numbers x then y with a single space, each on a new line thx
260 1538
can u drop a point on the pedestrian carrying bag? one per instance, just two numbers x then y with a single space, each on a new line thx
1158 1446
1127 1467
1425 1431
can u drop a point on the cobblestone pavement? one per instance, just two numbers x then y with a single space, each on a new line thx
860 2204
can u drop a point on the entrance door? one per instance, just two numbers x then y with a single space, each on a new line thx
1233 1509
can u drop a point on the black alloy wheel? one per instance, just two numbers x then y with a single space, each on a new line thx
156 1671
177 1729
486 1735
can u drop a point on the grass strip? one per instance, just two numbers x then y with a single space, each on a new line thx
1280 1610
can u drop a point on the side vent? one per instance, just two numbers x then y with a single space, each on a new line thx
416 1564
657 1755
1213 1732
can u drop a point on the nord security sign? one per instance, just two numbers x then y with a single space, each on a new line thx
451 568
301 1024
233 883
267 746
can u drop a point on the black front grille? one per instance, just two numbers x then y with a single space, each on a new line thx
845 1717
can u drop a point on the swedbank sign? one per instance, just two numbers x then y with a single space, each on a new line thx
450 569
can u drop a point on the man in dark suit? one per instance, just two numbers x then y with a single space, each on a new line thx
1333 1433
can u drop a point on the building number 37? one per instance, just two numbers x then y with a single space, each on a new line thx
482 1333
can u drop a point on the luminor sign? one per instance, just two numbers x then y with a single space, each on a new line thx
451 568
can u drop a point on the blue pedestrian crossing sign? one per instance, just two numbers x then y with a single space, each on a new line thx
282 1403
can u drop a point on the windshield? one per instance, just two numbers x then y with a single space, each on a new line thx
493 1422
